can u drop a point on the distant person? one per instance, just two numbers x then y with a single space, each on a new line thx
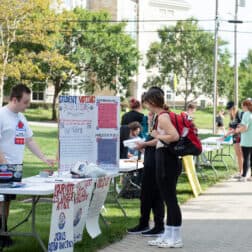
129 131
135 114
150 198
235 120
190 110
245 129
220 122
15 134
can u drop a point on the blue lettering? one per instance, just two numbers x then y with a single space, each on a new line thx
60 236
52 246
68 99
66 244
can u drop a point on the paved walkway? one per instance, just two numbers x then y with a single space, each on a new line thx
220 220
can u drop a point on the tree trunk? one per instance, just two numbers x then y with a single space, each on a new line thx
55 96
1 89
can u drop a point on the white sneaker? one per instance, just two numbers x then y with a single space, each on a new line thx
237 176
242 179
156 242
168 243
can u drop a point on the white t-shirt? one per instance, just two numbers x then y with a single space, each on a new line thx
14 129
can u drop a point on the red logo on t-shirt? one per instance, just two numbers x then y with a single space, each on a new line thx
20 125
19 140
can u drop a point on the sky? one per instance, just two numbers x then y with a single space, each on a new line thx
205 10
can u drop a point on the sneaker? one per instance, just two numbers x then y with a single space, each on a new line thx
153 232
138 229
237 176
157 241
249 179
168 243
242 179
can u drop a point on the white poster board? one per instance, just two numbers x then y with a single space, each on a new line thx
89 131
61 231
98 199
82 197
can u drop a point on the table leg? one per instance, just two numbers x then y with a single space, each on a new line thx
116 195
33 232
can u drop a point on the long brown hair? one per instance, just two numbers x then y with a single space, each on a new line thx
233 112
156 98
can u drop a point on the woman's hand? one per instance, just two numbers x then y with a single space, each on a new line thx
154 133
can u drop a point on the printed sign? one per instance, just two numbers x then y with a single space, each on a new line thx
98 199
61 231
88 131
82 197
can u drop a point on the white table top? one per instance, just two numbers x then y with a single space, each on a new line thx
128 165
216 140
37 185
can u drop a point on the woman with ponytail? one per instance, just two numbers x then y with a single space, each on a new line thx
168 169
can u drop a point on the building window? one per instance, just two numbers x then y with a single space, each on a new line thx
38 91
166 12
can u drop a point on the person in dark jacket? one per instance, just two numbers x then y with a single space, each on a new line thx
135 115
150 198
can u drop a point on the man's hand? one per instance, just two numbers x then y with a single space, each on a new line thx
50 162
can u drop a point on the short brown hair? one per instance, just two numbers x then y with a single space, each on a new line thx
191 106
18 90
135 125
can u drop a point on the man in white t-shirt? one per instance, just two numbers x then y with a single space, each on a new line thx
15 133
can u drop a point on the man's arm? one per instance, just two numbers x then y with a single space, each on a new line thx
34 148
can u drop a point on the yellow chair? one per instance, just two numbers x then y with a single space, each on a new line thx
191 174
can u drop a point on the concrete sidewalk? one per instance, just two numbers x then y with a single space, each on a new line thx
220 220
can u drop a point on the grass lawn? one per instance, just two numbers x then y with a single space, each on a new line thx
203 118
47 139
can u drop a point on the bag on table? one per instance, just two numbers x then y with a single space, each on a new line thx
189 142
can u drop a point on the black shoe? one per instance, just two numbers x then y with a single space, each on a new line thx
5 241
8 241
1 242
153 232
138 229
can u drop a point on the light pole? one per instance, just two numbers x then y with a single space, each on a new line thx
215 64
235 22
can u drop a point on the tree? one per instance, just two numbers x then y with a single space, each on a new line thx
245 81
20 21
186 51
107 54
100 54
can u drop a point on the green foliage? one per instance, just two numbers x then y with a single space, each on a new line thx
186 51
55 47
245 73
22 22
